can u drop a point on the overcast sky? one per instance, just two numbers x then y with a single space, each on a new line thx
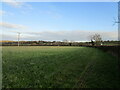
58 20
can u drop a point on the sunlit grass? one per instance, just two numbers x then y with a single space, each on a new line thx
61 67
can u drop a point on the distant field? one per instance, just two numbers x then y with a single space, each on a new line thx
60 67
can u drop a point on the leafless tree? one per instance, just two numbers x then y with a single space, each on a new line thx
96 38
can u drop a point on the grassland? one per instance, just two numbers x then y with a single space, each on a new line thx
61 67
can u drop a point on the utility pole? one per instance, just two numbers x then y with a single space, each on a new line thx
119 21
18 38
118 38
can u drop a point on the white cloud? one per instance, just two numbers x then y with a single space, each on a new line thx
9 37
2 12
24 7
77 35
17 4
13 3
11 26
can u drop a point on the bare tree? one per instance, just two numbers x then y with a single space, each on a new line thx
95 39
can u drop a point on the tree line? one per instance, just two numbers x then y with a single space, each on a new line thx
94 40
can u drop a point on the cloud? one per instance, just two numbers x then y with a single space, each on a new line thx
76 35
17 4
13 3
6 13
2 12
23 7
9 37
11 26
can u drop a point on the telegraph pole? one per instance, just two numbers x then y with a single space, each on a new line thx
118 38
18 38
119 21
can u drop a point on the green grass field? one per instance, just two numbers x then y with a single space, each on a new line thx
58 67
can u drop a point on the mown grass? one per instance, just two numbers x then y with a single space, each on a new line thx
58 67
